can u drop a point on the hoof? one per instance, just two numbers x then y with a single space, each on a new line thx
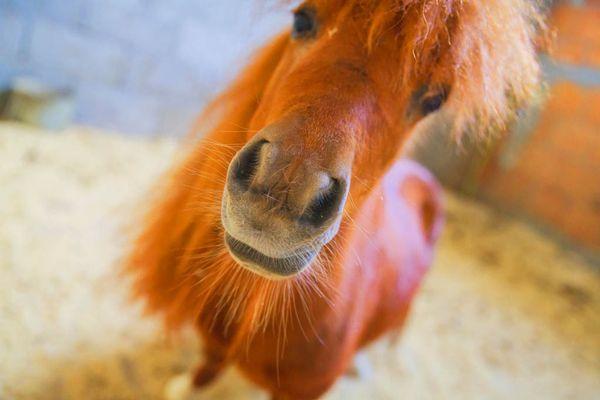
361 367
180 387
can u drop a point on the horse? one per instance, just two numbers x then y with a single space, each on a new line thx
293 233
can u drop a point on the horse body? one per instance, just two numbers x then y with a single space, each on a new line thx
291 235
299 351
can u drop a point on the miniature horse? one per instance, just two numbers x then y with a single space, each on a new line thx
290 235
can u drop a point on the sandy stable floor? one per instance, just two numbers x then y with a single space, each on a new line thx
504 314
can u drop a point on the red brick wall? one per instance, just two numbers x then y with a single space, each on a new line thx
556 176
578 34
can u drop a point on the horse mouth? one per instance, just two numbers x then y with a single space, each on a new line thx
270 267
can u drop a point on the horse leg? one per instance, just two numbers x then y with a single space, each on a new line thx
361 367
183 386
300 392
282 396
214 362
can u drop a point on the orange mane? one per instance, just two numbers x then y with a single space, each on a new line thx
484 48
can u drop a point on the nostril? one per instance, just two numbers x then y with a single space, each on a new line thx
325 204
245 164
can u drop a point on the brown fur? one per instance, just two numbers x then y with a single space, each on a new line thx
354 87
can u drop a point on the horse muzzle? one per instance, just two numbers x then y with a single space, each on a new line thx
279 208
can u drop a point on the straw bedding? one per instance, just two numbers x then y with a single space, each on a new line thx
504 313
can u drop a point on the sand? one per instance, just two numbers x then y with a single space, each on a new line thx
505 312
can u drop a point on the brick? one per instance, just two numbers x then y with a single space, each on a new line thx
70 12
51 76
131 25
217 52
569 122
578 183
564 98
167 76
556 176
548 204
6 74
576 142
177 116
591 110
578 34
510 189
12 29
115 109
583 225
25 8
76 53
253 19
172 10
535 164
595 143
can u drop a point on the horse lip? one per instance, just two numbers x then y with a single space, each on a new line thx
271 267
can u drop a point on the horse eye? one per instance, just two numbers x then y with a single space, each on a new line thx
304 23
431 103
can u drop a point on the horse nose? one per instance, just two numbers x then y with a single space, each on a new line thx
311 197
326 202
244 165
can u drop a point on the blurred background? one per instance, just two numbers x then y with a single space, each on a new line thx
146 67
94 95
136 66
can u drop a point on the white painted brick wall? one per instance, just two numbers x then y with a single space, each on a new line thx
12 27
80 55
139 66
